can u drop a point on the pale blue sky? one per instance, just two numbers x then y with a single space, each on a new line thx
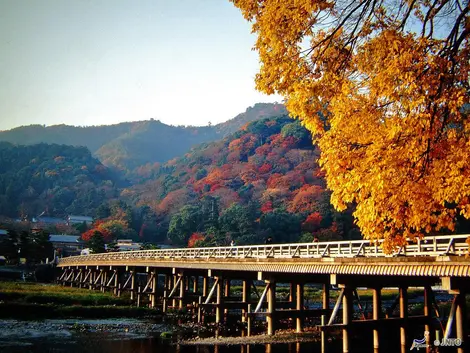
92 62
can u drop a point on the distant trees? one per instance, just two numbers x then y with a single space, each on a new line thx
60 179
34 247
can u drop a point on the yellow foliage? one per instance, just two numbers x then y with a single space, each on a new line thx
386 102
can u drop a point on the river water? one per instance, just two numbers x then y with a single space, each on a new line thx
122 336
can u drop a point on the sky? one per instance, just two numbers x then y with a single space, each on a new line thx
88 62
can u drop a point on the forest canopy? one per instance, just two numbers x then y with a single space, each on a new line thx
383 87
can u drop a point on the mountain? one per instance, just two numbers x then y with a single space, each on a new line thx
262 180
126 146
55 179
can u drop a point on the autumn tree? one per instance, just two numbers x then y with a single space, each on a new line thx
384 89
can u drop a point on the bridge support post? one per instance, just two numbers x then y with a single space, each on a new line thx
92 279
292 289
376 312
326 296
153 296
196 284
427 312
183 286
204 287
227 293
246 298
299 306
460 321
104 278
219 301
80 274
174 280
347 316
132 274
166 289
270 317
116 282
403 315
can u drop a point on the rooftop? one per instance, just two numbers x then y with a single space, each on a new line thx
63 238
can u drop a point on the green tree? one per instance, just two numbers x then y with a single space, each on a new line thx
96 243
282 226
9 246
41 247
237 221
188 220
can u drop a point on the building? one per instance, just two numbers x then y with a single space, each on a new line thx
71 220
127 245
67 245
48 220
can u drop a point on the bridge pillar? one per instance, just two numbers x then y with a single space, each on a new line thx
427 312
204 286
153 296
104 278
219 300
183 286
403 294
326 296
173 282
299 306
227 293
196 284
116 282
347 316
132 274
376 313
270 316
80 275
460 321
246 297
166 291
292 289
92 279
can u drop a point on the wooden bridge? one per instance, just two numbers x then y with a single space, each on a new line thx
200 279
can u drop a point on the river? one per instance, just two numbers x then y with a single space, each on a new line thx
139 336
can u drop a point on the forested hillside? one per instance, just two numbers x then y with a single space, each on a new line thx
126 146
55 179
261 181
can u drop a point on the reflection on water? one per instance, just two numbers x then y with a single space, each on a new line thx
103 343
126 342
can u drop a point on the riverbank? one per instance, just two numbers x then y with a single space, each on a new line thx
32 301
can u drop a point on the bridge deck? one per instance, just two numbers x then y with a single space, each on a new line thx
440 256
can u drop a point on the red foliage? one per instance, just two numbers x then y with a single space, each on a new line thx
97 228
195 237
312 222
289 142
267 207
263 150
265 168
306 199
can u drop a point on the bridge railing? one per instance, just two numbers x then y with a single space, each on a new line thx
427 246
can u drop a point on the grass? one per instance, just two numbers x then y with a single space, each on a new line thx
36 300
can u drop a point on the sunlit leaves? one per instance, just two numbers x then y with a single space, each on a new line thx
384 100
